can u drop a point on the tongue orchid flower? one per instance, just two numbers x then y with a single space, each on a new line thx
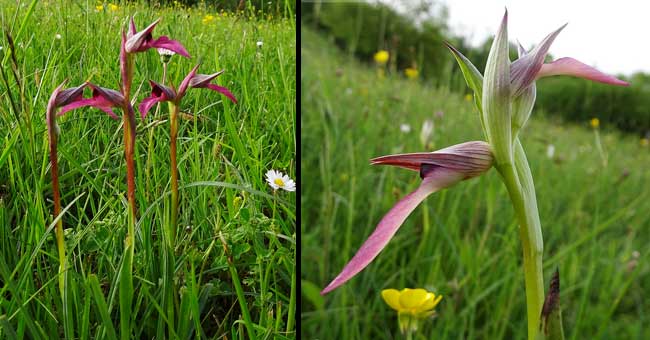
438 170
59 98
505 96
143 40
161 93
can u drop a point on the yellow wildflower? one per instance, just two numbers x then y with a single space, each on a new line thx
468 97
381 57
411 305
595 123
644 142
113 7
99 7
208 19
411 73
416 302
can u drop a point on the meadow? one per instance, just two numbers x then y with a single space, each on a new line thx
234 274
462 242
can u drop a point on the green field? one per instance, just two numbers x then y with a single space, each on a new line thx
224 150
462 242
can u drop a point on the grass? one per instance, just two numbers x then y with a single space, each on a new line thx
462 242
234 268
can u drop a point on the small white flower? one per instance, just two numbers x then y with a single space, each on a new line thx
405 128
550 151
164 51
259 44
278 180
58 36
427 131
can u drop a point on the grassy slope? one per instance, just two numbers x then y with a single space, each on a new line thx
462 242
235 144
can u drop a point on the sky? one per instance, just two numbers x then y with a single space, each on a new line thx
613 36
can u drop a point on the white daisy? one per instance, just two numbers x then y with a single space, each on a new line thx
260 43
58 36
405 128
278 180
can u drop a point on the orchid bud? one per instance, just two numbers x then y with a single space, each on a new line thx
497 97
505 96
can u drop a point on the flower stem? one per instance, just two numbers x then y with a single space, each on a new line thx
520 187
173 132
60 242
126 271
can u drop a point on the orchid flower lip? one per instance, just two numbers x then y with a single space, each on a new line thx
439 169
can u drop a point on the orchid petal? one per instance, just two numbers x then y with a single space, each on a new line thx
51 108
573 67
202 80
137 42
76 105
112 97
70 95
132 29
521 51
389 225
172 45
186 81
96 102
147 104
471 158
524 69
223 91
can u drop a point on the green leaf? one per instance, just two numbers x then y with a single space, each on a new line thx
126 291
7 330
93 283
312 293
473 77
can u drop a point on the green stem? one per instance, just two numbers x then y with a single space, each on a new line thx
291 318
520 187
238 289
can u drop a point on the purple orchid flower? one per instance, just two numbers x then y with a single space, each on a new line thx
530 66
438 170
161 93
59 98
143 40
102 98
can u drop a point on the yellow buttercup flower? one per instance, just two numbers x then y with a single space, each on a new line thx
208 19
411 73
411 306
595 123
99 7
468 97
416 302
113 7
381 57
644 142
